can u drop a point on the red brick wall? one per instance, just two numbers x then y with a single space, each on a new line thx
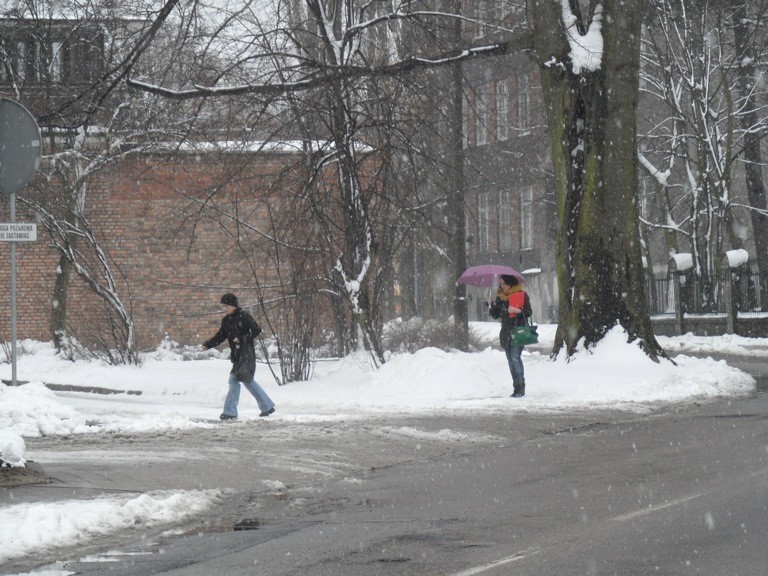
173 278
35 269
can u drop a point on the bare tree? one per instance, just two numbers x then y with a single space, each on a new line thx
699 63
334 55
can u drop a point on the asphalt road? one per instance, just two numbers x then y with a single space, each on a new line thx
679 491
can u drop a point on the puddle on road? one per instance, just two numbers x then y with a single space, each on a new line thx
225 525
247 524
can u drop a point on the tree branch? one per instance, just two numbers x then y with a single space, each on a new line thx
324 75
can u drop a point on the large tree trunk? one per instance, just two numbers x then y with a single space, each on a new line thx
753 165
591 117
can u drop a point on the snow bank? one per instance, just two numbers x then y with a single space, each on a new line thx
32 410
177 395
12 448
34 528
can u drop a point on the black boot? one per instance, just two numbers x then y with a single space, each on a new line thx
519 390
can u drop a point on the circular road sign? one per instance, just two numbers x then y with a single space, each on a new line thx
20 146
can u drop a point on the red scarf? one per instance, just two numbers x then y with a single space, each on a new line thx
513 296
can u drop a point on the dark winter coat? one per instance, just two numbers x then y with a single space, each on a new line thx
239 326
498 309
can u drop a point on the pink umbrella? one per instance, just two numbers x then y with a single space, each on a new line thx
487 274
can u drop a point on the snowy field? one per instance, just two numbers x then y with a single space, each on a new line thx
169 392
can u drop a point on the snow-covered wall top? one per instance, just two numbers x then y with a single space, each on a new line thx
737 258
683 261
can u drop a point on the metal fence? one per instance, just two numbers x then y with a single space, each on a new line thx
699 299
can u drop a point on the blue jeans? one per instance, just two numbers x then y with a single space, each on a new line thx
515 360
233 396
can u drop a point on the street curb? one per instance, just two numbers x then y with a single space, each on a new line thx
75 388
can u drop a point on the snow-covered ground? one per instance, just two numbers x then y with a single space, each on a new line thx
171 392
28 528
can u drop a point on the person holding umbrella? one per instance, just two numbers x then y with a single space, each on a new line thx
513 306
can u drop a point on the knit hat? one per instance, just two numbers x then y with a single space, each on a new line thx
229 299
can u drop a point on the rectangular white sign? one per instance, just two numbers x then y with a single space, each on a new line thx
18 232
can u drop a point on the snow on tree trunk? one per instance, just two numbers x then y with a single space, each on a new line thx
590 68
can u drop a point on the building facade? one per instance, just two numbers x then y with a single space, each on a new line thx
511 215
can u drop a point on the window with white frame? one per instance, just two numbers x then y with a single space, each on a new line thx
480 19
502 110
483 223
523 101
465 111
66 57
505 221
21 61
482 115
526 218
56 71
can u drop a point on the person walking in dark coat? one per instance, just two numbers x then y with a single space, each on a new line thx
239 329
513 306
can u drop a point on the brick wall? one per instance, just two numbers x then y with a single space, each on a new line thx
175 265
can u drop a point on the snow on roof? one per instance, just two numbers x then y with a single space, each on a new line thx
288 146
68 10
250 147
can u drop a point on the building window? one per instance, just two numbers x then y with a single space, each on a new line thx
505 221
480 19
502 9
523 102
20 64
62 58
465 122
483 223
85 59
483 116
526 218
502 110
56 57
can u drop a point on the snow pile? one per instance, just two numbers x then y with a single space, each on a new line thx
620 375
34 528
12 449
731 344
170 394
613 374
32 410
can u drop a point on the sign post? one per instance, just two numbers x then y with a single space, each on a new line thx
20 153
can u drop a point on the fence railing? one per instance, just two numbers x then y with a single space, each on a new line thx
731 302
698 298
